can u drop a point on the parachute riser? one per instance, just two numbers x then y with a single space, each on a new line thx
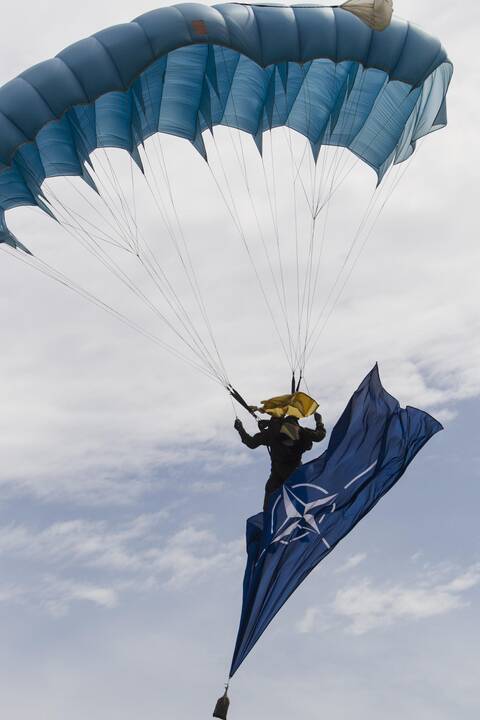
295 384
241 401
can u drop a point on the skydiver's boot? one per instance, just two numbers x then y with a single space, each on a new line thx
221 708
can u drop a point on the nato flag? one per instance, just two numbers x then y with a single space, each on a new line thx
369 450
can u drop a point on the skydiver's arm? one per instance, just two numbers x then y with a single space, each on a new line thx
251 441
319 433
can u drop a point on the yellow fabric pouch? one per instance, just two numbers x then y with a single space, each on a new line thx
298 405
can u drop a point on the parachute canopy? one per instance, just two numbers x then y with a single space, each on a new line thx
297 405
184 69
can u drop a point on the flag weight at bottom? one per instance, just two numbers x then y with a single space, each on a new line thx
221 708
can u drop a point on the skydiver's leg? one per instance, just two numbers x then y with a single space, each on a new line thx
265 501
273 483
277 479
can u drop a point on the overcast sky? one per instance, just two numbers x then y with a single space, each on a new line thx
124 490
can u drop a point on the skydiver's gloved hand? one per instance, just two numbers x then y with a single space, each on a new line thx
319 421
319 433
238 425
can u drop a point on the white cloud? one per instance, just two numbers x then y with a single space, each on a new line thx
57 596
307 623
10 593
364 607
207 487
466 581
353 562
314 620
81 541
187 562
106 597
140 555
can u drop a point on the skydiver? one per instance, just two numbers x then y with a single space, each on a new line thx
286 441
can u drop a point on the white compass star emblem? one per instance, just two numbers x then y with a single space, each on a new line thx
302 516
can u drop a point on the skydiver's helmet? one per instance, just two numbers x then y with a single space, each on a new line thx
290 431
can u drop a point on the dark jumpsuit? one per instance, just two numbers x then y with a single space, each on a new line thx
286 458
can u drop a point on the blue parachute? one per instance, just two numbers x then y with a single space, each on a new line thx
187 68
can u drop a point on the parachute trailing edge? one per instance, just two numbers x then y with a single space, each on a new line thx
22 247
377 14
8 238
